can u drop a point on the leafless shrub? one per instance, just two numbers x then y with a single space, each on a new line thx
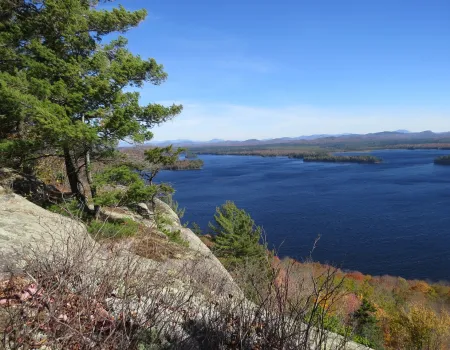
73 294
285 312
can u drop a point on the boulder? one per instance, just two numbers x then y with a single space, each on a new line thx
166 211
24 224
143 210
122 213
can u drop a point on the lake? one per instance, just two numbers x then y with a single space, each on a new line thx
390 218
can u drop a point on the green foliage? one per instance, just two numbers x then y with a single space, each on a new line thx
120 229
159 158
70 209
66 88
175 237
149 339
128 187
59 65
162 221
236 236
364 315
185 164
333 324
121 175
364 341
196 229
163 156
366 325
330 322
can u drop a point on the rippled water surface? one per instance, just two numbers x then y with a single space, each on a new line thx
390 218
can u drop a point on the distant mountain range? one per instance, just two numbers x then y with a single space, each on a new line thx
403 135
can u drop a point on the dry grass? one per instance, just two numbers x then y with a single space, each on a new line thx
75 294
148 246
158 249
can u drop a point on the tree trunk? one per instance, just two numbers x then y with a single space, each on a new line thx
71 171
72 175
87 167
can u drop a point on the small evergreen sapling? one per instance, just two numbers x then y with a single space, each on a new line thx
236 236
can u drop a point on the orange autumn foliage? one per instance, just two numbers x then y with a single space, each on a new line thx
356 275
421 287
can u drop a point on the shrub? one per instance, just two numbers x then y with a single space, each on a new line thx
67 298
164 222
124 186
419 327
71 209
237 238
120 229
175 236
196 229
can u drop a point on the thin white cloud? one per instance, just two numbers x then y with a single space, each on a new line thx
237 122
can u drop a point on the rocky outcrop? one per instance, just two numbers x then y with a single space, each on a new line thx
164 210
203 264
23 223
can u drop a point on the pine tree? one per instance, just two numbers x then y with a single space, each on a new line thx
63 90
160 157
366 324
236 236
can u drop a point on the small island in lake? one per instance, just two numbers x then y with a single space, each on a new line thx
362 159
185 164
442 160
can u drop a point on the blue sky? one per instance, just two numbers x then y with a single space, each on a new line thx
262 69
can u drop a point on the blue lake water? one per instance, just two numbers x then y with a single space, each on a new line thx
390 218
